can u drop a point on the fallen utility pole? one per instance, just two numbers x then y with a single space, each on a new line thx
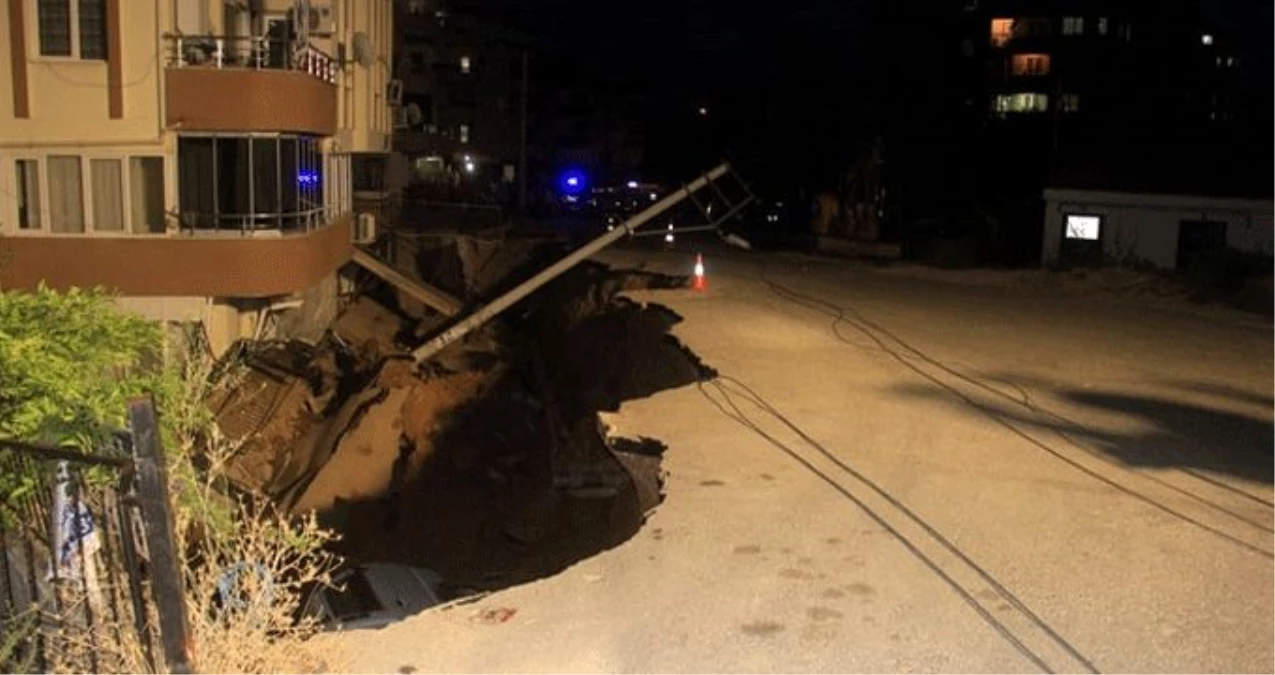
487 313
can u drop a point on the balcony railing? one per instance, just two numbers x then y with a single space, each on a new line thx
255 52
297 222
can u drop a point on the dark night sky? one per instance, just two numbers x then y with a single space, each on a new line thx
802 78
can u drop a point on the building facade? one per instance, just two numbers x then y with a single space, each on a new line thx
194 156
1163 230
462 116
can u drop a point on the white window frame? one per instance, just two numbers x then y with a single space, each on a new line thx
42 214
33 31
9 181
1073 25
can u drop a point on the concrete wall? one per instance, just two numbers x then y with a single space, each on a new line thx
244 100
1144 227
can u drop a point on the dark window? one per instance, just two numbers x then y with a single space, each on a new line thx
92 29
369 173
55 27
250 183
28 194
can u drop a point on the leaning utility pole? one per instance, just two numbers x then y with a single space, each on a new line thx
527 287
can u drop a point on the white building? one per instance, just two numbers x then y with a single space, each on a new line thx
1162 229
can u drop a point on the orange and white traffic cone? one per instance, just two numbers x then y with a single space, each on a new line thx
701 282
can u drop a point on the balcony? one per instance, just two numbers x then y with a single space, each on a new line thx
249 84
179 265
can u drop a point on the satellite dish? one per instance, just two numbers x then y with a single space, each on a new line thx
414 115
363 50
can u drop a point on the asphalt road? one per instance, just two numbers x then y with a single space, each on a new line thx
901 475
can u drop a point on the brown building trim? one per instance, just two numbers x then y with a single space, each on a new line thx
18 59
231 267
246 100
114 60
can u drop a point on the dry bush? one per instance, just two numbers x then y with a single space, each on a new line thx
246 566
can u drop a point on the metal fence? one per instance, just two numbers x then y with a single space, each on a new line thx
88 576
255 52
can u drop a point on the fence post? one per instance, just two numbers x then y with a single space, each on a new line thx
152 497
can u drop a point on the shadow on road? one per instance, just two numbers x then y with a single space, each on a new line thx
1181 435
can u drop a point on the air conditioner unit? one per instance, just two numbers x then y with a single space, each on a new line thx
365 228
321 19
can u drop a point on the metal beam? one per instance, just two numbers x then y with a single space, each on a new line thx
443 302
529 286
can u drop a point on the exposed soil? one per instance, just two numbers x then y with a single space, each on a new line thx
492 467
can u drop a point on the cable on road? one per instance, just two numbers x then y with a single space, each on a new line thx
866 328
746 392
740 417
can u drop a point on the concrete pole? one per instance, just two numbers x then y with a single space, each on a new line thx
529 286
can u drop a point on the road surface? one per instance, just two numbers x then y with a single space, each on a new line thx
901 475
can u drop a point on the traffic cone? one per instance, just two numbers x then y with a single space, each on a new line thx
701 282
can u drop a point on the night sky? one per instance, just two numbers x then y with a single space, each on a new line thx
808 79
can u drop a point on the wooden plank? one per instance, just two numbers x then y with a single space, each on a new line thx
151 477
439 300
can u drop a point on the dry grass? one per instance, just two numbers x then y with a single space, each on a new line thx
246 567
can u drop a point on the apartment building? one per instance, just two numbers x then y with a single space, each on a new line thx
463 82
194 156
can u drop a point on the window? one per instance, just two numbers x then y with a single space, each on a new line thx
1126 31
464 133
106 181
28 171
1023 102
1069 102
416 61
971 5
369 172
250 182
1206 39
1073 25
465 64
1002 32
146 194
74 28
66 194
1102 25
1030 64
1083 227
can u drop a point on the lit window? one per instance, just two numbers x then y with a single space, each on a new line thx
1102 25
1126 32
464 133
1218 61
1085 228
465 64
1022 102
971 5
1073 25
1030 64
1069 102
1206 39
1002 31
1231 62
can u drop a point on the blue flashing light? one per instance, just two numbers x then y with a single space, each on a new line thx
573 182
307 178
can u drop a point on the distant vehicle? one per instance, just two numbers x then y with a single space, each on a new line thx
374 595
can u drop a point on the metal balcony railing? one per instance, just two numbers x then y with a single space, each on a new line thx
295 222
254 52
